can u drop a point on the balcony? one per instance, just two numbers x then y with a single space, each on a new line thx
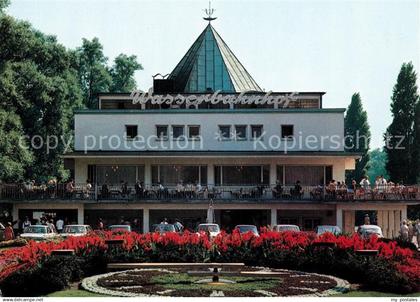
190 193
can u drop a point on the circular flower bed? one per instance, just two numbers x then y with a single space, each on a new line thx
177 283
394 269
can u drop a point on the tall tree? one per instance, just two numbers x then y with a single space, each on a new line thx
38 83
377 161
15 155
416 145
93 73
4 4
357 133
122 73
399 138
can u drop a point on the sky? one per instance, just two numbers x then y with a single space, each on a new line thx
339 47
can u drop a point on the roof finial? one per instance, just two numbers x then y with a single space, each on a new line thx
209 12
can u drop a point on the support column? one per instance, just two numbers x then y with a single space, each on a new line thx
404 213
339 218
273 217
81 214
273 174
146 220
210 175
147 174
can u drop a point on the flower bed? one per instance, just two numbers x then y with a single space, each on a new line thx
394 269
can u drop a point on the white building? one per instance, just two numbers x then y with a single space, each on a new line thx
209 134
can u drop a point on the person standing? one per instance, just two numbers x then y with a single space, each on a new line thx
9 234
418 233
404 230
59 224
26 223
100 224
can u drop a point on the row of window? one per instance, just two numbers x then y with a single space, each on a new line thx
226 132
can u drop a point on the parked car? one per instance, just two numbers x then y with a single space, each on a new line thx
321 229
164 228
245 228
212 229
286 227
120 228
368 230
39 233
76 230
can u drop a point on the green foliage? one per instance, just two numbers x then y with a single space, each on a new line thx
416 145
377 162
399 137
39 85
92 69
4 4
357 133
122 73
13 148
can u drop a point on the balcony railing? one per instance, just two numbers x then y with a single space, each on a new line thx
91 192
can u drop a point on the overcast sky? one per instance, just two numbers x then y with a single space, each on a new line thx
339 47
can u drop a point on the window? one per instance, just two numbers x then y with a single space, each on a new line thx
307 175
113 175
224 132
241 175
131 131
194 132
162 131
177 132
286 131
256 131
171 175
240 132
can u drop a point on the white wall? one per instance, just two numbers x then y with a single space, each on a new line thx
89 127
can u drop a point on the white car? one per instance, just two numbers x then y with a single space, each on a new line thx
39 233
368 230
212 229
245 228
286 227
321 229
120 228
76 230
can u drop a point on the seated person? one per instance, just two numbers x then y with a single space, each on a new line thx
277 190
139 188
297 191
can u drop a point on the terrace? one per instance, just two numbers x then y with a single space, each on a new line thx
190 193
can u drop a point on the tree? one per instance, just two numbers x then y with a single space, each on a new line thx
399 137
93 73
416 145
357 133
38 84
122 73
4 4
377 161
15 155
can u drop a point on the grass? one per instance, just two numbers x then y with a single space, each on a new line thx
74 293
363 293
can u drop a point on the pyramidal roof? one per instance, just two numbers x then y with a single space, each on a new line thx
209 64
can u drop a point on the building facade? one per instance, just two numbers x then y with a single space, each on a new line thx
208 136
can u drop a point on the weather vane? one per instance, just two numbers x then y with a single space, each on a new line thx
209 12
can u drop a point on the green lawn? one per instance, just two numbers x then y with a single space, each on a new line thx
362 293
74 293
